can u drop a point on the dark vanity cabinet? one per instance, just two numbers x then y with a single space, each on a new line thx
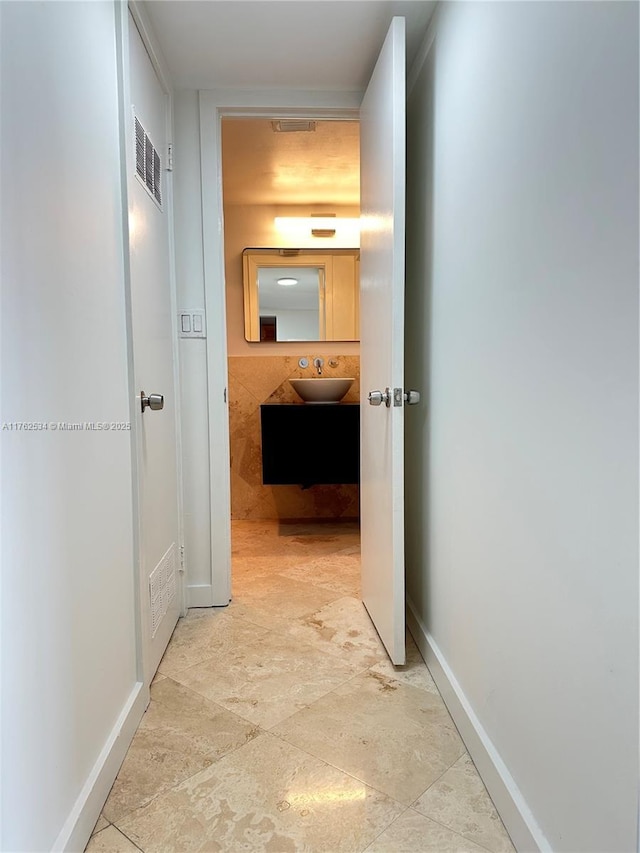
305 445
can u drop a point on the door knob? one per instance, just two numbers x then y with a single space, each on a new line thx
155 402
376 398
411 398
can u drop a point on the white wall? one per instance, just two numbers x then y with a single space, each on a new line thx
522 306
296 324
68 642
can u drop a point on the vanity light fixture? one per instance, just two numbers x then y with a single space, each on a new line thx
287 282
345 229
323 228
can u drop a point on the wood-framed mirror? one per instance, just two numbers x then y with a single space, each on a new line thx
301 294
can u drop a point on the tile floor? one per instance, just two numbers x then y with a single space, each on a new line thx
278 724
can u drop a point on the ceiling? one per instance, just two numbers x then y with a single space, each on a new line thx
292 44
302 296
262 167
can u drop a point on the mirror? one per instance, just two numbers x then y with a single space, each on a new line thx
301 295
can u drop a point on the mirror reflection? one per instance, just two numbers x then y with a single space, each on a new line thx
289 303
300 295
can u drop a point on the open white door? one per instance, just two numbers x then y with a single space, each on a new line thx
382 193
153 356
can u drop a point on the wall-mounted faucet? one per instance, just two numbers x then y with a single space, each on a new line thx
317 363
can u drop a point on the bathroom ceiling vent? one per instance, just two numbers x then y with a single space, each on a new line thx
293 125
148 165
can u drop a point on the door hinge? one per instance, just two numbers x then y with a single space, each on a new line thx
182 559
170 157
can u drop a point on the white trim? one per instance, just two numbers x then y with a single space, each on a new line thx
287 103
86 810
423 50
125 116
150 41
509 801
216 347
199 595
213 105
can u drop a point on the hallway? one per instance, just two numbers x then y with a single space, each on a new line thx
278 724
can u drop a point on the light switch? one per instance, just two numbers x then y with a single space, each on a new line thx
191 323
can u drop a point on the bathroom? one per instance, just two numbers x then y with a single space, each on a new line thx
273 172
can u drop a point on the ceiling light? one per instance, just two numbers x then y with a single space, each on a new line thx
287 282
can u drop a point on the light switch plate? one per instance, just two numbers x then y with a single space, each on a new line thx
191 323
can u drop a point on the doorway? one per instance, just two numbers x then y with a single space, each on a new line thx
277 175
383 167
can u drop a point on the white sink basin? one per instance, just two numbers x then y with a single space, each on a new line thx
322 390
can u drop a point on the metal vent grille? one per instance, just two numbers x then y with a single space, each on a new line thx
293 125
148 163
140 136
156 177
162 588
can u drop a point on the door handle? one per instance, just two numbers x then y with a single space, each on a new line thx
155 402
411 398
376 398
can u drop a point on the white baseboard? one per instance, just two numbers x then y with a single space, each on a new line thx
200 595
514 811
86 810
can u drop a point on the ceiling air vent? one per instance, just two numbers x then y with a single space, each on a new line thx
293 125
148 164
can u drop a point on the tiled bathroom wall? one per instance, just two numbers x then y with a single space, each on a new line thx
262 379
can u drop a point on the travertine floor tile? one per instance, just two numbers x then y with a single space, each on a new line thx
180 734
267 796
110 840
413 833
343 629
338 572
102 823
295 652
414 672
211 635
251 538
460 801
396 738
267 680
247 568
273 602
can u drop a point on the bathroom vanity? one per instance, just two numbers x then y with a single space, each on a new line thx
307 445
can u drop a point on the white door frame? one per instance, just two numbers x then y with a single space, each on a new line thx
214 105
126 135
